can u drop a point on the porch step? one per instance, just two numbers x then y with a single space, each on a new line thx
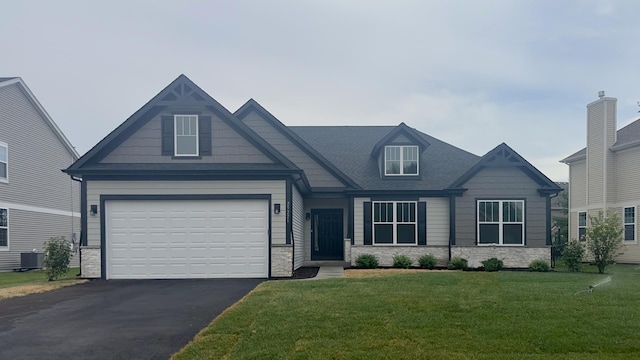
322 263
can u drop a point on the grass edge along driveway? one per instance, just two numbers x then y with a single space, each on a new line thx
14 284
432 315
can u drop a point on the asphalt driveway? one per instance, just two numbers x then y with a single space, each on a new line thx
116 319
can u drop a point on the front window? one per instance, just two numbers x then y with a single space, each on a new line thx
186 135
582 226
4 162
4 228
501 222
400 160
629 224
394 223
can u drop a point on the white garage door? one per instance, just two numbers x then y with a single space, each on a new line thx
169 239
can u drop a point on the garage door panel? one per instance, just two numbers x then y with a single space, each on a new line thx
187 239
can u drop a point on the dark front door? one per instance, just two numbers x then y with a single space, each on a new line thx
326 234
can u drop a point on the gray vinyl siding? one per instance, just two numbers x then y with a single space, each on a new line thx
276 188
297 227
437 221
29 230
227 146
628 174
318 176
501 183
311 204
35 157
578 184
358 220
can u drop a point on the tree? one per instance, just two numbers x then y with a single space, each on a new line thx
604 238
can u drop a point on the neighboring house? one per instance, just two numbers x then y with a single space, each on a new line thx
185 188
605 175
37 200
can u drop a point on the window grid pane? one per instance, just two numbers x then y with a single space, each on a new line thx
582 219
394 222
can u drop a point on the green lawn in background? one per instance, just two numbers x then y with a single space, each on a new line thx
433 315
33 277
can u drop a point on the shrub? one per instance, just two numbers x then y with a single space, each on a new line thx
402 261
493 264
367 261
604 238
572 255
427 261
57 257
457 263
539 265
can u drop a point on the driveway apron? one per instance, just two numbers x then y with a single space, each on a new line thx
116 319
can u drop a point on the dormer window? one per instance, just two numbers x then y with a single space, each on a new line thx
186 135
400 160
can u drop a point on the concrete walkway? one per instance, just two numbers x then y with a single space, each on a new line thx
330 272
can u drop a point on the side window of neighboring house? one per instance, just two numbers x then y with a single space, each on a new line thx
4 228
186 135
4 162
629 222
582 225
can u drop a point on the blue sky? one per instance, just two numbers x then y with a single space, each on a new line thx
471 73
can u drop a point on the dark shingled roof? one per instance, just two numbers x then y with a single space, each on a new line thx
628 135
178 167
349 149
3 79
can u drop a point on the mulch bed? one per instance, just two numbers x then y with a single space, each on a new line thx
305 273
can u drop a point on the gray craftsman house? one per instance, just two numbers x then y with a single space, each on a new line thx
37 200
186 189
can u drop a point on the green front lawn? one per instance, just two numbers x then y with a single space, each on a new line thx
433 315
33 277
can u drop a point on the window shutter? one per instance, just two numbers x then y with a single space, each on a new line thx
422 223
204 135
366 212
167 135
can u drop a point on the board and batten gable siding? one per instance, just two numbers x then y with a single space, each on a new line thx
578 184
501 183
227 145
318 176
276 188
312 204
297 227
628 175
36 156
29 230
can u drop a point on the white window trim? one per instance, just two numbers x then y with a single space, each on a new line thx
402 160
586 219
6 147
394 223
634 223
500 223
175 136
6 248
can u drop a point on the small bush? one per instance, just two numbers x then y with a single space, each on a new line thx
572 255
493 264
427 261
539 266
402 261
457 263
367 261
57 257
